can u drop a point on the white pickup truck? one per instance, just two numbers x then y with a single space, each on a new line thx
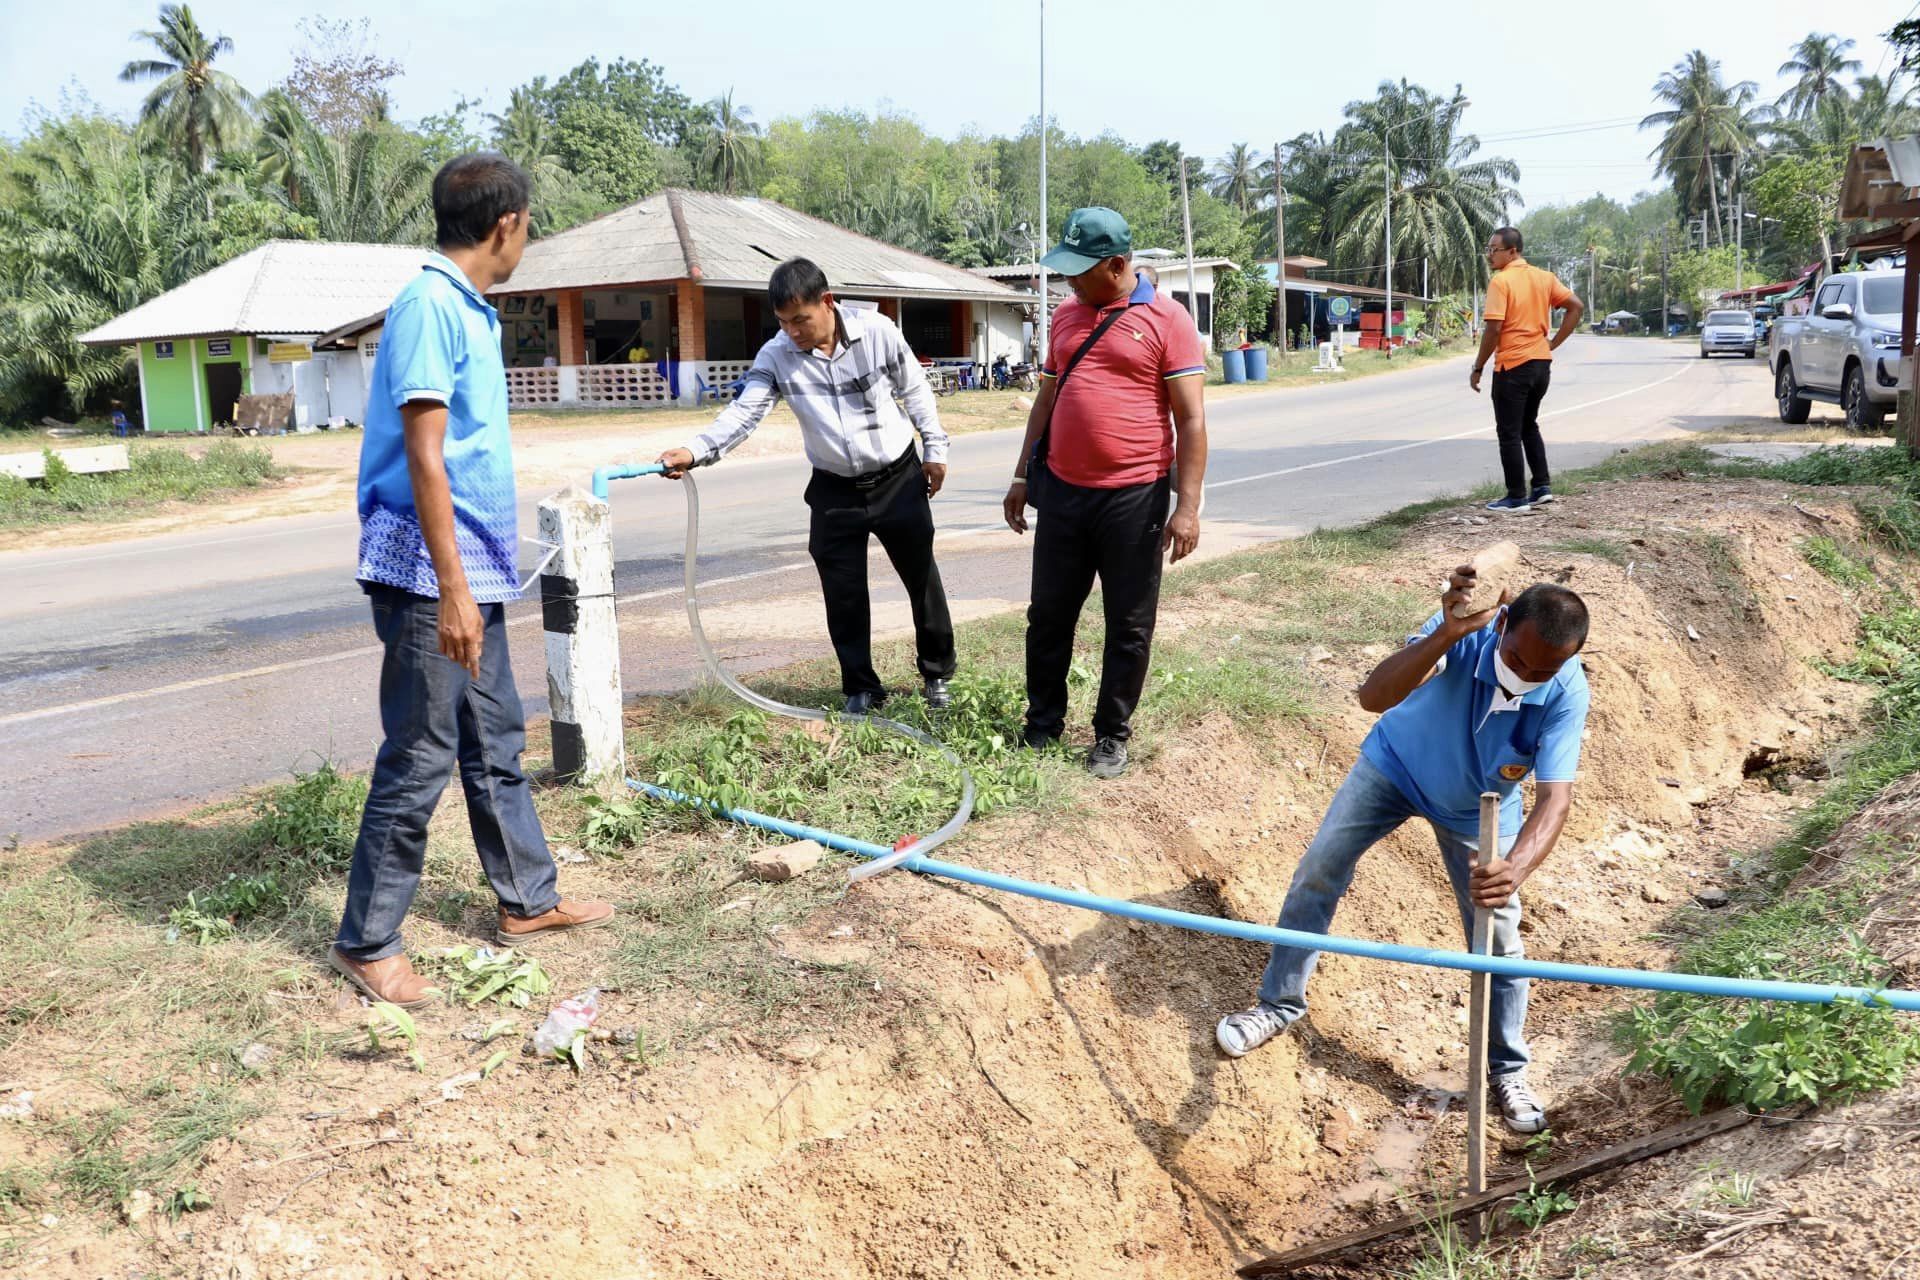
1844 351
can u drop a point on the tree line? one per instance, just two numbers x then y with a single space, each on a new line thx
98 214
1753 190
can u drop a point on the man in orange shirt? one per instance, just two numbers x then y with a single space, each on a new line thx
1520 303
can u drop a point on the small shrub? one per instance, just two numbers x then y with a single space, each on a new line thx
214 915
314 820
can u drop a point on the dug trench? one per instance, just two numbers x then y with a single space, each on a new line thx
947 1082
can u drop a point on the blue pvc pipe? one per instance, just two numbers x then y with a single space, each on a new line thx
625 471
1512 966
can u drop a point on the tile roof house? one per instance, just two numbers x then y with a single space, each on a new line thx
665 300
247 328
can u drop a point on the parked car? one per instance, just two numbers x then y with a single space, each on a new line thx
1728 331
1844 351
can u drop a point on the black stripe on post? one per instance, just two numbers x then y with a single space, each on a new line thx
559 605
569 750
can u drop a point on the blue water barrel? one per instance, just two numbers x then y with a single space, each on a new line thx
1235 363
1256 364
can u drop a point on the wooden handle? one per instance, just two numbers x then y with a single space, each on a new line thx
1480 994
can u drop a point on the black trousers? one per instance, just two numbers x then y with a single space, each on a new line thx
1114 535
891 505
1517 393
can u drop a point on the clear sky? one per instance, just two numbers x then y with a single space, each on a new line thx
1204 73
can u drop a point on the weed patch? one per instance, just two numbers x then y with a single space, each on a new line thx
159 473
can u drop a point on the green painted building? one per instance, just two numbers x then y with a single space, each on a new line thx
247 328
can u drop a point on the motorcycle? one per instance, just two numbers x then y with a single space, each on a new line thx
1007 377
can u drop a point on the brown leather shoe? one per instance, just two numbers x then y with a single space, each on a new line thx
391 979
570 914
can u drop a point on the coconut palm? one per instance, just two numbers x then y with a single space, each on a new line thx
1235 179
1818 61
731 150
1710 128
194 107
1445 202
284 134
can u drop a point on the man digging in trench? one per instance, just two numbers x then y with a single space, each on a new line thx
1470 704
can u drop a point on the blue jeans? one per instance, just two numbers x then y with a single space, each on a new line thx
435 714
1366 808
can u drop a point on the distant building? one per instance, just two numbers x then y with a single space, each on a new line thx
665 302
247 327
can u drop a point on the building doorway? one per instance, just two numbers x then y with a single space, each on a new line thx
223 392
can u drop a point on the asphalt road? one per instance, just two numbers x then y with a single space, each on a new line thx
140 678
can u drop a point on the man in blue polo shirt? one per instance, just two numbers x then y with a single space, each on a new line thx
1470 705
438 561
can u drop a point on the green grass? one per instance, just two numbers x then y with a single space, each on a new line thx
160 473
1765 1054
1830 559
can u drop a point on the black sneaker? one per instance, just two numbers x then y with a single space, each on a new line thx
861 704
937 694
1541 495
1036 740
1108 759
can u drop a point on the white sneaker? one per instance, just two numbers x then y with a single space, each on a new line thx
1518 1105
1241 1033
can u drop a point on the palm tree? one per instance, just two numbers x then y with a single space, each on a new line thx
193 106
1710 127
733 147
373 187
1819 61
285 133
1445 202
1234 178
1315 179
95 228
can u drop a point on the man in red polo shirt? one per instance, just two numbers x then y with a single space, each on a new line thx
1120 399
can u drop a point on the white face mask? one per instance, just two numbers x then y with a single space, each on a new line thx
1510 682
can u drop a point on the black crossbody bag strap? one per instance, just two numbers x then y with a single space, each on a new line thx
1039 457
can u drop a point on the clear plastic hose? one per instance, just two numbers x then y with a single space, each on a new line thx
909 847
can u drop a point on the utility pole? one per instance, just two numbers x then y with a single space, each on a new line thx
1665 323
1186 222
1040 272
1386 147
1739 243
1279 254
1593 266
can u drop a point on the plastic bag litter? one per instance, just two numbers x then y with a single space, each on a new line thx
569 1019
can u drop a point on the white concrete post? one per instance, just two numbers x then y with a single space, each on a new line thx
583 640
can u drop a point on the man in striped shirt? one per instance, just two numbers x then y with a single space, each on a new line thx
841 369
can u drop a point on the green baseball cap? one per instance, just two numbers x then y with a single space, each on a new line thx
1092 235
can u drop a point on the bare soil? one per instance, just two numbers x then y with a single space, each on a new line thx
1027 1090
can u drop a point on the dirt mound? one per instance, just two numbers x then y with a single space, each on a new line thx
1035 1091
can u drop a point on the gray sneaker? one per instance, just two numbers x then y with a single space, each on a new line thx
1108 759
1241 1033
1518 1105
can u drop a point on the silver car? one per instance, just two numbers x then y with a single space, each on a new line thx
1729 331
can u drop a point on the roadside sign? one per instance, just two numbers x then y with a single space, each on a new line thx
288 352
1339 308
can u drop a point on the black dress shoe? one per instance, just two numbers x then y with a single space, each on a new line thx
1035 740
861 704
937 694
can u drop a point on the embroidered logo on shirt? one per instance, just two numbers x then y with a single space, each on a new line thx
1137 335
1513 772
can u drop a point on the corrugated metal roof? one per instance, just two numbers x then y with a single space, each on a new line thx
734 241
284 286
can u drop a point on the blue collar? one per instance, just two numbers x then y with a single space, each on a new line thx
1142 290
451 270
